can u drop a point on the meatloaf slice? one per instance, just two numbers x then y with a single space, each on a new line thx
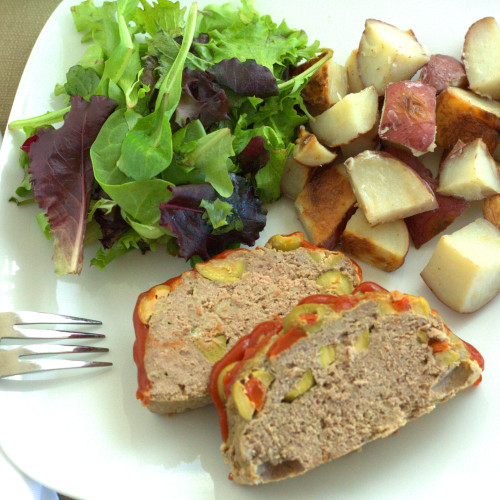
337 373
186 324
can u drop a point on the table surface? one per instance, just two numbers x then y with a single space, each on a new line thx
20 24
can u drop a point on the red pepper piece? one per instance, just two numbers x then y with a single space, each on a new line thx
286 341
256 392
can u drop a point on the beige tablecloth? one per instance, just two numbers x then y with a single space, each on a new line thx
20 24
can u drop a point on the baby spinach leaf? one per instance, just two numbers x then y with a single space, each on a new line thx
81 81
211 156
147 148
267 179
139 199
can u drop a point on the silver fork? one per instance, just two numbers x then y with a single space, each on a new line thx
10 356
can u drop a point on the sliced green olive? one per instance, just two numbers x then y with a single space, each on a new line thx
422 337
363 341
333 259
316 255
286 243
220 380
447 357
148 302
305 382
327 355
214 349
222 270
420 306
245 407
265 377
336 282
385 308
303 315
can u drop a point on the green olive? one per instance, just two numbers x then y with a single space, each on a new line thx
363 341
335 282
305 382
245 407
213 349
221 269
327 355
286 243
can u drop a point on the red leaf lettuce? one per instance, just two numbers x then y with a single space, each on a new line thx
62 177
183 216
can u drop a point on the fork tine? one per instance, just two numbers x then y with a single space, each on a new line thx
31 318
41 365
12 364
36 349
38 333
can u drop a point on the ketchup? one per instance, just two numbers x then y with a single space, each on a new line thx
368 286
142 330
401 305
286 341
476 356
242 350
141 334
256 391
337 303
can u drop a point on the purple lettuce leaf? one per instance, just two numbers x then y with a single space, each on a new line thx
111 223
183 216
202 38
245 78
254 156
202 99
62 177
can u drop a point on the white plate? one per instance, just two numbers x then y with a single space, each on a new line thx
86 435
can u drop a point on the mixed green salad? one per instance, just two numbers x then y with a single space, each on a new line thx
177 127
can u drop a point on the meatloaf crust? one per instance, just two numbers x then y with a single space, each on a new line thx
339 373
186 324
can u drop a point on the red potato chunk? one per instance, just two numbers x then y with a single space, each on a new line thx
325 204
409 116
325 88
386 188
384 246
491 209
443 71
463 115
425 225
387 54
309 152
480 56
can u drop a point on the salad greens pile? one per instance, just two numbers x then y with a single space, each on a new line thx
176 131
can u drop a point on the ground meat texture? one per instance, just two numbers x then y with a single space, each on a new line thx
365 393
200 310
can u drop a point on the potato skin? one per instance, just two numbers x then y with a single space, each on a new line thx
456 119
491 209
408 116
325 205
366 251
443 71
